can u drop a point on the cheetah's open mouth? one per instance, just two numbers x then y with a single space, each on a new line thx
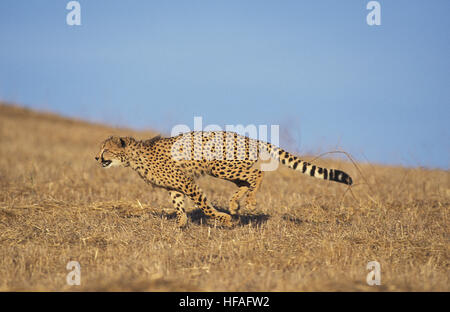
106 163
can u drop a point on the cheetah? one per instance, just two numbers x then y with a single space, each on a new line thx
174 163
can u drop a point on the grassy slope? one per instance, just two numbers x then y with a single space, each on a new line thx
57 205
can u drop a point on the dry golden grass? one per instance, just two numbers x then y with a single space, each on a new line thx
58 205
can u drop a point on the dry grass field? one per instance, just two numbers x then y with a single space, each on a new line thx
57 204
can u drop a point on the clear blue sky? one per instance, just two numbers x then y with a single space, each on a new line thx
313 67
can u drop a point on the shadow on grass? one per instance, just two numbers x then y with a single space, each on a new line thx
292 219
253 219
197 216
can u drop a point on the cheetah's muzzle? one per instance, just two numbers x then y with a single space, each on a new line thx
106 163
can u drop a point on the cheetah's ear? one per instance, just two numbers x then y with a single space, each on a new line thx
118 141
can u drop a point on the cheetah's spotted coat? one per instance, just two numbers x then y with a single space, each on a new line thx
171 164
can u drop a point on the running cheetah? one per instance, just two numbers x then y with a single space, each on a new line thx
173 163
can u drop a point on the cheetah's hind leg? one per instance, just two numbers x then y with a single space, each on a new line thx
248 182
234 201
254 179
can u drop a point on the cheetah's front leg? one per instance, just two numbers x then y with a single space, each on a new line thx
178 203
196 195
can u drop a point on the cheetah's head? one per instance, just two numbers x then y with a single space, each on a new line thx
113 152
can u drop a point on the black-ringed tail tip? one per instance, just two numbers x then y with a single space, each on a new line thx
307 168
322 173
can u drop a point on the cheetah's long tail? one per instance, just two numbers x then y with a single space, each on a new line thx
304 167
